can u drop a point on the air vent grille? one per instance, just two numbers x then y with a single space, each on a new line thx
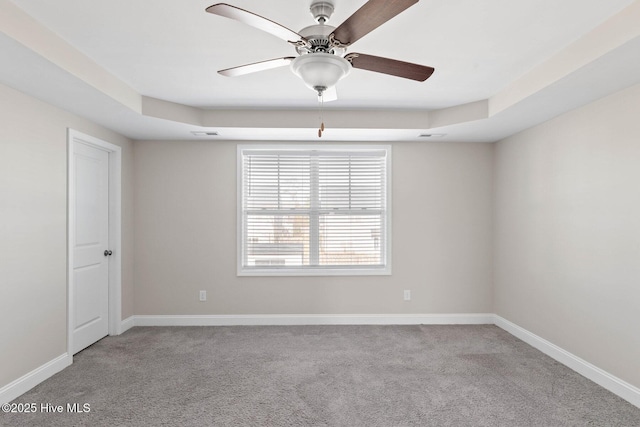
204 133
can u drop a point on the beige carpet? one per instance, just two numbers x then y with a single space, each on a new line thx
321 376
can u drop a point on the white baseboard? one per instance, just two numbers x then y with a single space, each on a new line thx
320 319
33 378
127 324
614 384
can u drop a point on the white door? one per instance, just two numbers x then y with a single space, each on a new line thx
90 284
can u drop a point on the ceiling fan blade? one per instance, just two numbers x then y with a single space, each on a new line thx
392 67
330 94
256 21
369 17
256 66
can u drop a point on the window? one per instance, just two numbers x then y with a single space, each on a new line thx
319 210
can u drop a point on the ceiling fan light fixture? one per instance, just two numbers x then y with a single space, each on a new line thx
320 71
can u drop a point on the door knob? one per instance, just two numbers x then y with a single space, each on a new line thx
107 252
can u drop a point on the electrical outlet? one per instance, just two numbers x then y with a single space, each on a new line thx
407 295
203 295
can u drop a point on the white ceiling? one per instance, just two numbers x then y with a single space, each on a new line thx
170 50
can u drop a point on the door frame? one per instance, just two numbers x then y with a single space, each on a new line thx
115 227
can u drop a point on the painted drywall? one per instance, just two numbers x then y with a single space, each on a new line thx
567 241
33 230
185 210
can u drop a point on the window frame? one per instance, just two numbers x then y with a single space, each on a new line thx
384 270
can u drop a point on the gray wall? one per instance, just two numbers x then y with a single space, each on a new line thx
186 237
567 241
33 230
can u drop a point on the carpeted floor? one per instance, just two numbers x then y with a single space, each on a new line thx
321 376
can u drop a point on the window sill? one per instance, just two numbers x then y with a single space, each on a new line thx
380 271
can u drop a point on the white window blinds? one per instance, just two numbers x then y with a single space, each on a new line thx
313 209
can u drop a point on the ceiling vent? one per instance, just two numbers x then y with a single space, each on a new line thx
204 133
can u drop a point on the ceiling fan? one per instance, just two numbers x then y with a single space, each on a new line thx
322 59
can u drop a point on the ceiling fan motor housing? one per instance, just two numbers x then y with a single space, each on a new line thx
318 41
